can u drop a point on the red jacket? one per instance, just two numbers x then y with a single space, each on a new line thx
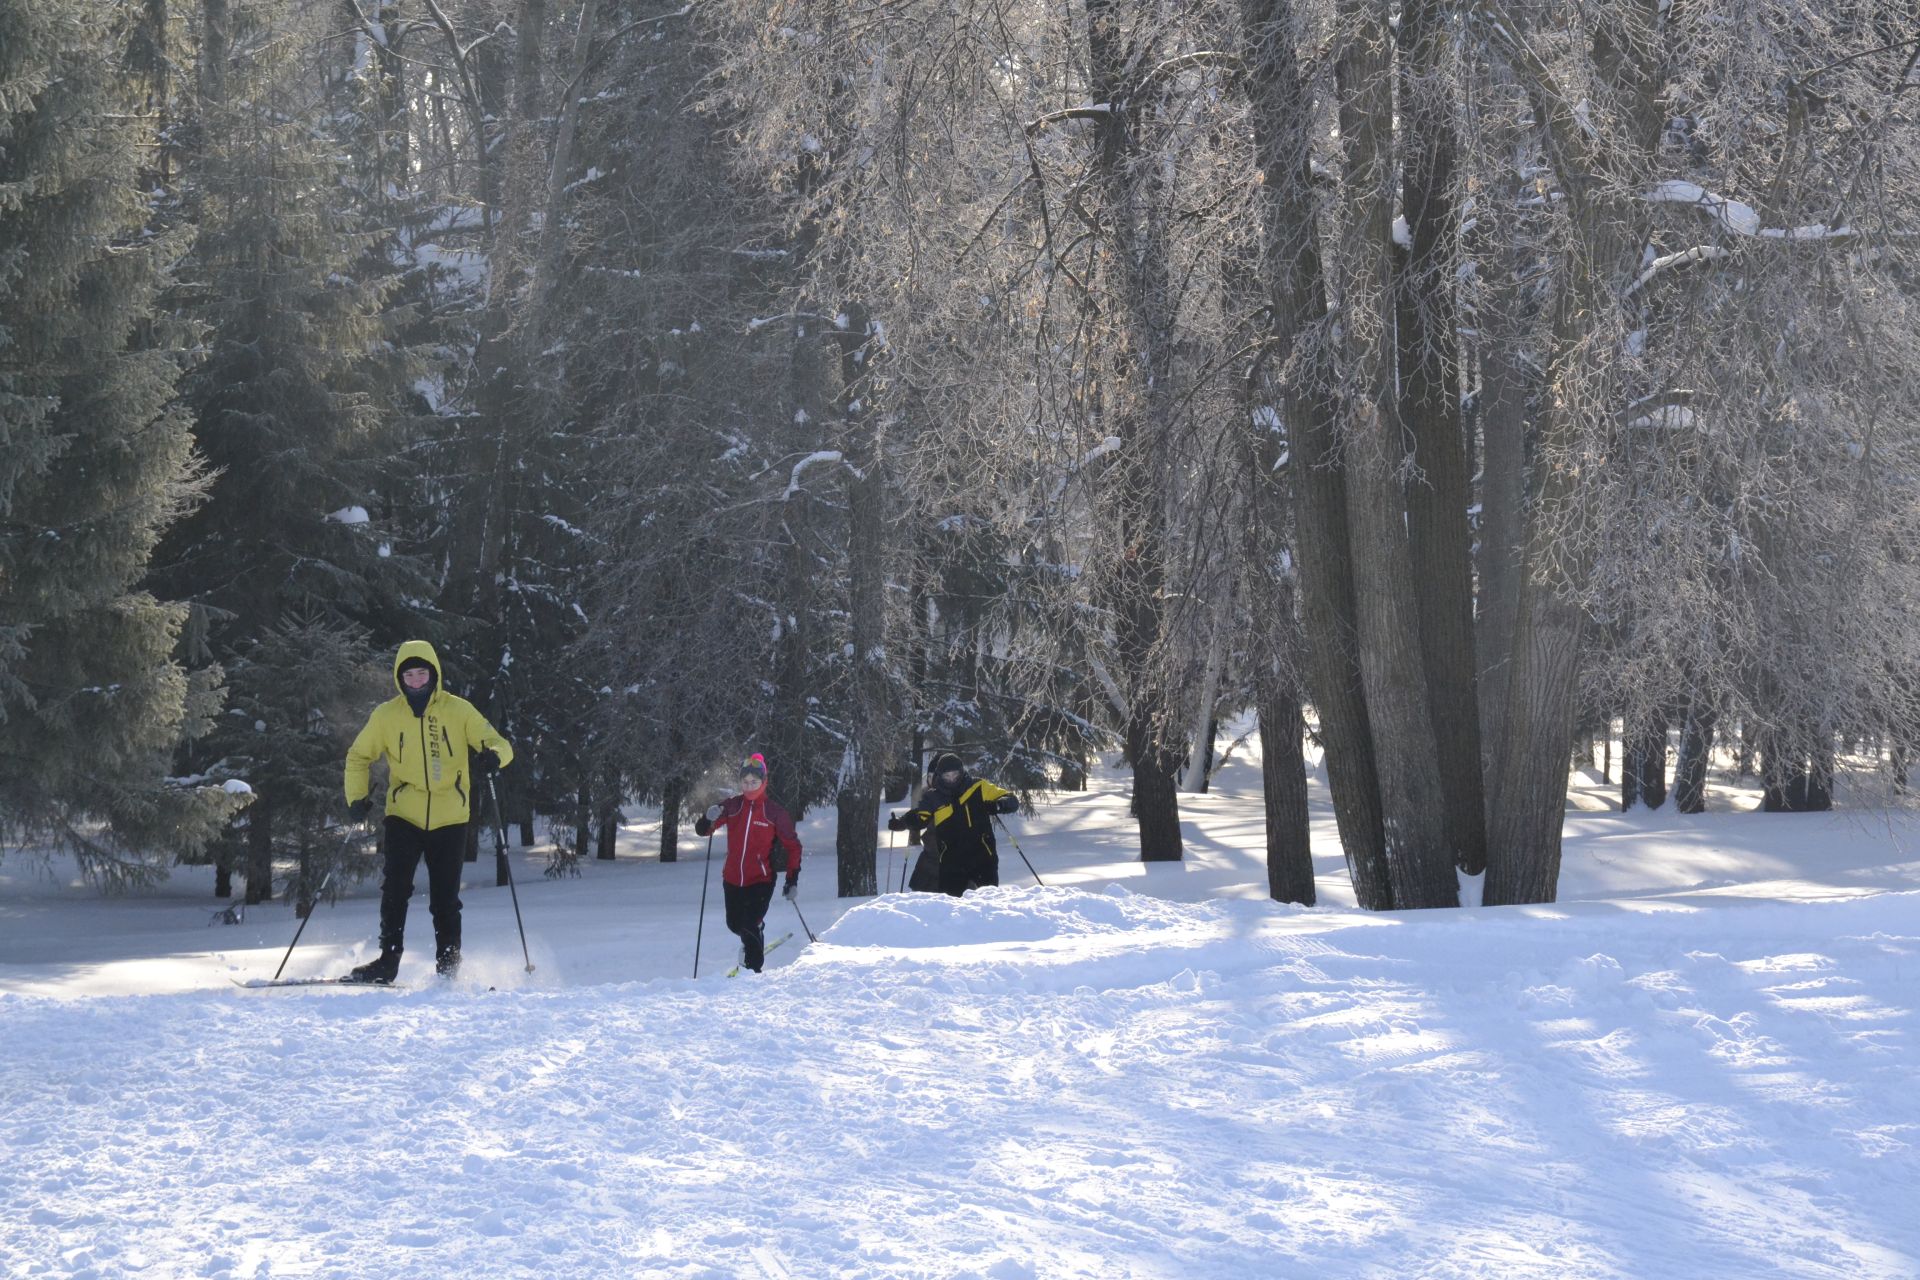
752 826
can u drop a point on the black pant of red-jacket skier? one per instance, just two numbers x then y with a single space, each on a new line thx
747 917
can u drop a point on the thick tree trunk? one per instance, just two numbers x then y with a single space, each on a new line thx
1193 779
1437 493
260 851
1420 859
670 799
871 726
1527 788
1146 405
1283 778
1643 774
1696 750
1505 390
1794 780
1156 800
1283 123
608 826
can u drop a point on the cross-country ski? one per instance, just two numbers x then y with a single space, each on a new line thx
770 948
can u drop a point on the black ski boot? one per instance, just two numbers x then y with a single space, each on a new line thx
446 961
379 972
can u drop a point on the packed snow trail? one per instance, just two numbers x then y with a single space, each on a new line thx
1024 1083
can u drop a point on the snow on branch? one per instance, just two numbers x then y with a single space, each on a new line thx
820 455
1699 253
1172 66
1091 111
1740 219
1664 410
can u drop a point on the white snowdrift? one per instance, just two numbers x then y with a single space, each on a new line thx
1025 1083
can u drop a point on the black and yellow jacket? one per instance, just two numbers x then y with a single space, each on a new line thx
427 782
962 825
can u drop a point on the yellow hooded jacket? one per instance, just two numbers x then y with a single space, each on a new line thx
427 781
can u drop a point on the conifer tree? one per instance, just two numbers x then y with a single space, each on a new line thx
296 381
97 461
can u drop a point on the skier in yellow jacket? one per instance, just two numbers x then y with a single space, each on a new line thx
426 735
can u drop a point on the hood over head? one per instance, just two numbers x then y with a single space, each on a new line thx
416 651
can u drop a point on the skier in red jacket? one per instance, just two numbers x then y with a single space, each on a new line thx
754 823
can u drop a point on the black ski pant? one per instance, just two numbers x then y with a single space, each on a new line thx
747 917
444 849
963 868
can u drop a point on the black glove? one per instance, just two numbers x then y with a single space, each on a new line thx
701 827
1007 804
360 808
487 763
898 822
793 887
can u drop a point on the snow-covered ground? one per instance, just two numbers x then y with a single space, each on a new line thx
1700 1063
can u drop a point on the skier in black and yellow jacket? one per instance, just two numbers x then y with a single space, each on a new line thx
959 811
426 735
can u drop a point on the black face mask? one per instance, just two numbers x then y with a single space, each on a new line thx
417 698
951 780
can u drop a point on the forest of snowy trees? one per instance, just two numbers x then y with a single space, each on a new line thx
843 378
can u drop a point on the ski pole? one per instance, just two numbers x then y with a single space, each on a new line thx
906 860
803 920
1022 852
318 894
500 857
705 876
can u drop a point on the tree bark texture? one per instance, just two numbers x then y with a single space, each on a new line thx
1420 860
1144 406
260 851
671 797
1283 780
1438 490
1283 130
1696 750
1643 774
1527 788
869 725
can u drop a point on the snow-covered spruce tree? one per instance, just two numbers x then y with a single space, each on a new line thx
97 463
289 399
